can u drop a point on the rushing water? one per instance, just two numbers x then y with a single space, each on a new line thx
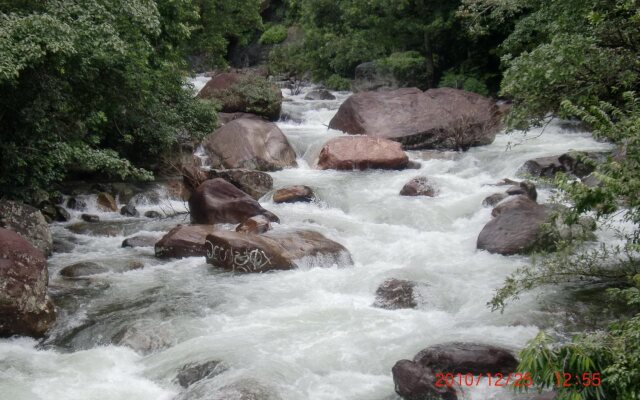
310 333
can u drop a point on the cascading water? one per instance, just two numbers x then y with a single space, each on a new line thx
310 333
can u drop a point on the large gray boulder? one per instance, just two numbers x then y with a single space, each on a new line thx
25 307
251 144
28 222
443 118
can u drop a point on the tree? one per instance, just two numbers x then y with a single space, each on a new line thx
91 86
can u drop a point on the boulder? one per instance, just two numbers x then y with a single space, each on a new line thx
294 194
442 118
416 382
90 218
53 212
106 202
184 241
129 211
194 372
250 144
76 204
104 228
82 269
244 93
394 294
572 163
153 214
361 153
217 201
319 94
491 201
28 222
516 229
524 188
254 183
467 358
418 186
246 252
139 241
257 225
25 308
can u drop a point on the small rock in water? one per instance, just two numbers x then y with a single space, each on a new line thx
396 294
90 218
294 194
153 214
61 245
192 373
139 241
62 215
106 202
524 188
418 186
257 225
83 269
134 264
76 204
243 389
143 338
414 164
320 94
129 211
494 199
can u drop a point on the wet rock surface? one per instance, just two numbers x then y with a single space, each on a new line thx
254 183
419 186
25 308
27 222
184 241
194 372
294 194
395 294
440 118
361 153
83 269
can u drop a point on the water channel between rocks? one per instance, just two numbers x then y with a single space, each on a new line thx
309 333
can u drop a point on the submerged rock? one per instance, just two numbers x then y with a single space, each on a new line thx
250 144
26 308
144 338
153 214
442 118
245 252
139 241
294 194
90 218
129 211
83 269
243 389
27 222
194 372
319 94
361 153
184 241
76 204
217 201
418 186
394 294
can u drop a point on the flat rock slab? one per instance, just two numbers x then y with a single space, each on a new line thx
184 241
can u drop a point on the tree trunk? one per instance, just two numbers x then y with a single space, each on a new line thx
430 65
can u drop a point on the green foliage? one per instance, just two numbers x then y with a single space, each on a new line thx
464 81
274 35
336 82
91 85
407 67
252 94
223 23
419 38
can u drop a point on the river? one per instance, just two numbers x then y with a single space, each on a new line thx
310 333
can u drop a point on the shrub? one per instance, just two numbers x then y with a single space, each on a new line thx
336 82
468 82
408 68
274 35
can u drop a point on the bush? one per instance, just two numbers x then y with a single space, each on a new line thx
464 81
274 35
336 82
408 68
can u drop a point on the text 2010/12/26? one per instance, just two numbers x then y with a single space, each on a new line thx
517 379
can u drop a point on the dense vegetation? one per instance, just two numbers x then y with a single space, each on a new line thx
98 86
